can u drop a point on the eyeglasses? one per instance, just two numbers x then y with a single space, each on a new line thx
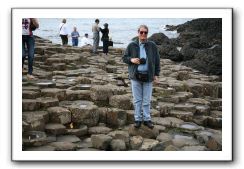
143 32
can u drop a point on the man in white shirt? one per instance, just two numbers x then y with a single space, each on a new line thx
63 32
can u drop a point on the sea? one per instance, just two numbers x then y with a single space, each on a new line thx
121 30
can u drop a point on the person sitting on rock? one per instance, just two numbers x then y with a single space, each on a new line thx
85 41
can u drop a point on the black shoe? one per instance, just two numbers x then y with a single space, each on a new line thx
148 124
137 124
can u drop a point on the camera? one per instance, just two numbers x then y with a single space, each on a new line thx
143 61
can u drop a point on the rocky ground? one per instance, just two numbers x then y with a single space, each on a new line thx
83 102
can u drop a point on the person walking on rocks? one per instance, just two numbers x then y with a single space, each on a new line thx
105 38
63 32
96 37
143 61
28 43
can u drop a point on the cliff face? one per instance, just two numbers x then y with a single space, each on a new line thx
199 45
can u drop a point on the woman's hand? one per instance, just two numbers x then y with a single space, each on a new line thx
156 80
135 61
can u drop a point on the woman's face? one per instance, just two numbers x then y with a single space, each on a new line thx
142 34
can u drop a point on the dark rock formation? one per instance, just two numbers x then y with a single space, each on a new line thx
199 45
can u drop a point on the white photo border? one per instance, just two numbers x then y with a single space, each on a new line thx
227 137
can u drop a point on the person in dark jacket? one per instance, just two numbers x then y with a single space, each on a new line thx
143 61
105 38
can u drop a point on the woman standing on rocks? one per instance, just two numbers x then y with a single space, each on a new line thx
105 38
28 43
143 62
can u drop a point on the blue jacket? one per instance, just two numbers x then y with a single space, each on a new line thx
153 59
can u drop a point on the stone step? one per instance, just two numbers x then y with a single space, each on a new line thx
60 94
84 112
180 141
52 60
165 108
216 104
63 146
101 141
185 107
46 102
148 144
116 118
183 115
163 92
178 97
99 130
30 105
121 101
143 131
55 128
68 138
167 121
59 115
34 120
45 84
81 131
34 138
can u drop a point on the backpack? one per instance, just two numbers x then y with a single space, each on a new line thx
32 26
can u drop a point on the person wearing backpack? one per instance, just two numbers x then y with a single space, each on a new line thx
28 43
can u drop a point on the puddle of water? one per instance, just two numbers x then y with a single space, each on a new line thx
83 106
182 137
71 80
188 126
206 133
44 83
85 85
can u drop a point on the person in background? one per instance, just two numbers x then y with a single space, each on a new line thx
63 32
96 37
143 61
85 41
28 43
105 38
75 37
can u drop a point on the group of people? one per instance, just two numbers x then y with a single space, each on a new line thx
105 37
141 55
64 33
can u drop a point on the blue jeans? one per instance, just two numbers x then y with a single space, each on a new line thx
95 41
28 48
142 94
74 42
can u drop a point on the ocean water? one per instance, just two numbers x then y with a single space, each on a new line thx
122 30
